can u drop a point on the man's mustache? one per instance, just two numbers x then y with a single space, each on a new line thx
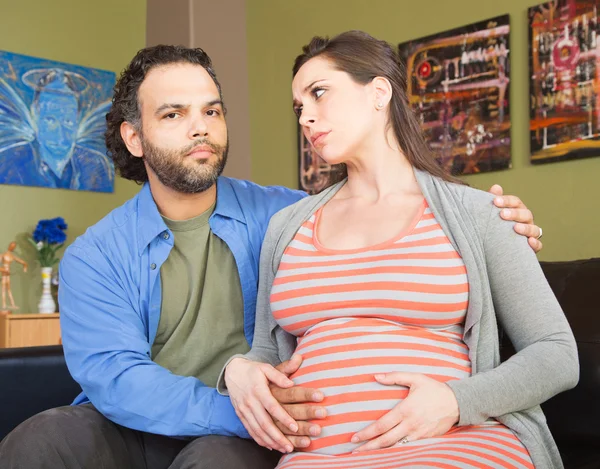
213 146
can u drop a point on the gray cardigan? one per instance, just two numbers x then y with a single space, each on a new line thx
506 285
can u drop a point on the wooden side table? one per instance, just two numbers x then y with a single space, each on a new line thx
29 330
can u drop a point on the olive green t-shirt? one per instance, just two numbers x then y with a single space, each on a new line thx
202 313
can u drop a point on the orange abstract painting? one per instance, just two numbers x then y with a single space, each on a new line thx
564 80
458 84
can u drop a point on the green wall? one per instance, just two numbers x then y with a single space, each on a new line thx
101 34
565 197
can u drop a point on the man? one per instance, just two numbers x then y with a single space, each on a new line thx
156 296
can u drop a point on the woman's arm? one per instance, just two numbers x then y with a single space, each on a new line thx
264 348
546 362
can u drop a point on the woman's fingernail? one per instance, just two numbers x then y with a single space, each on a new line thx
506 212
499 200
289 449
355 439
379 376
321 413
314 430
317 396
294 427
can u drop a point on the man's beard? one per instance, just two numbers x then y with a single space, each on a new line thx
191 178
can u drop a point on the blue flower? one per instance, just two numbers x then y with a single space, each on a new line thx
48 237
60 223
50 231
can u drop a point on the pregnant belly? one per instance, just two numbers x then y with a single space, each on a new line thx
341 357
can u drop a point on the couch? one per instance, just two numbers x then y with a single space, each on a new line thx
574 416
34 379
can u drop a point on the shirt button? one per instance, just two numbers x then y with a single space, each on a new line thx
165 235
153 266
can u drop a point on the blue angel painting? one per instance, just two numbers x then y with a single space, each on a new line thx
52 123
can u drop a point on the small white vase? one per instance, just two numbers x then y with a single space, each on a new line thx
46 304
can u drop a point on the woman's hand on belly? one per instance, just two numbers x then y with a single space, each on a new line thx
429 410
248 386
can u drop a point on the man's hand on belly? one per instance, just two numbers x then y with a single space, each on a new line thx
298 402
248 385
429 410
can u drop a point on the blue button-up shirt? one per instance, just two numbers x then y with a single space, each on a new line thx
110 301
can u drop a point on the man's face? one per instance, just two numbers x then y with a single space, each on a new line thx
184 134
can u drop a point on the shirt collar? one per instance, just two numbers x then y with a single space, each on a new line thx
151 223
228 204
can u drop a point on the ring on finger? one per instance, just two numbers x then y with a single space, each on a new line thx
541 233
404 440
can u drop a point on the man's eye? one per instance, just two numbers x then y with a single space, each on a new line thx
212 112
172 115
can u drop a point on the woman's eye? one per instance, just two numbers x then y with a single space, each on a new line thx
298 111
318 92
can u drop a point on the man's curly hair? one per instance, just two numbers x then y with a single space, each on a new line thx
125 102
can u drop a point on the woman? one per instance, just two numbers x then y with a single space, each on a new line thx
393 282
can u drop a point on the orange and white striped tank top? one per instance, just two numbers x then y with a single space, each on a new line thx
396 306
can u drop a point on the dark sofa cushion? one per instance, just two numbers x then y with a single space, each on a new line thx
32 379
573 415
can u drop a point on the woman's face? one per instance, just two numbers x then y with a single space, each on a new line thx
337 114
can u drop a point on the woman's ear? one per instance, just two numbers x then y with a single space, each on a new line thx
382 89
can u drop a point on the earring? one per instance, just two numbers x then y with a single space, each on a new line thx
379 105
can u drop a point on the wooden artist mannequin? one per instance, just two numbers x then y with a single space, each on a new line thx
7 259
